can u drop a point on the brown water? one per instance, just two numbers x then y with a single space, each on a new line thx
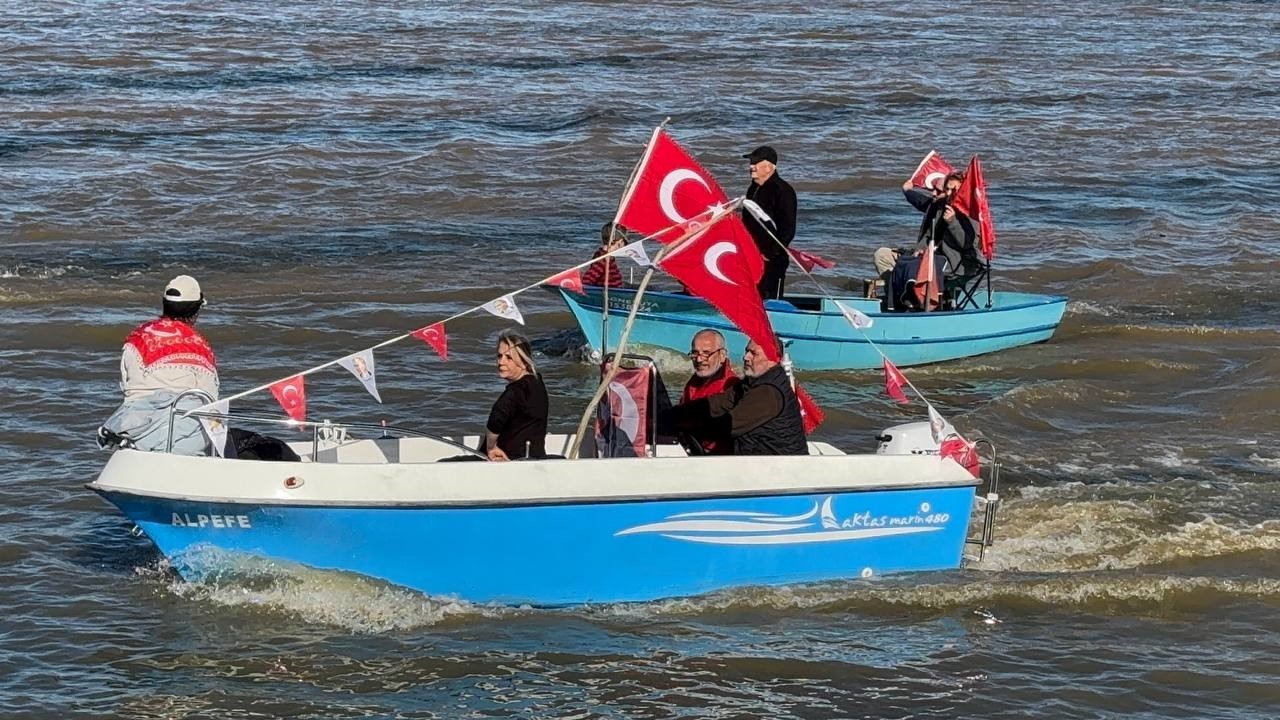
339 173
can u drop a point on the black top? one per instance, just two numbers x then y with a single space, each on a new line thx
520 416
777 198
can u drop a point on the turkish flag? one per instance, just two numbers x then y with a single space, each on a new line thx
723 267
893 382
434 336
971 199
669 193
963 452
621 422
810 414
570 279
809 261
927 280
931 172
291 393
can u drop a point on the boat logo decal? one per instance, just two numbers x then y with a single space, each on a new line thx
820 524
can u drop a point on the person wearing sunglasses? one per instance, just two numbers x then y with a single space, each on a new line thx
712 374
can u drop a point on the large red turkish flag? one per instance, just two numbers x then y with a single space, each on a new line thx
971 199
723 267
671 190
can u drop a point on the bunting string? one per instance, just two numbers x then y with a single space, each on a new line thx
625 251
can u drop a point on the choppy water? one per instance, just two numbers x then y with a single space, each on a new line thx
337 173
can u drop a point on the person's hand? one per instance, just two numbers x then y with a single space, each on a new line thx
949 214
497 455
907 185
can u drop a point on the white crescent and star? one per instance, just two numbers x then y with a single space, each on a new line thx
290 395
932 177
711 260
666 191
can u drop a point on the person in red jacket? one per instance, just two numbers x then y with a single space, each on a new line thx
712 374
605 272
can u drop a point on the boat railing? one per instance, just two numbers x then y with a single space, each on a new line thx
321 431
987 501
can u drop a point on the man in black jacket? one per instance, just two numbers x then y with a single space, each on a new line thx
761 414
778 200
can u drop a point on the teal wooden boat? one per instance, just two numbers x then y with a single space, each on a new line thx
817 335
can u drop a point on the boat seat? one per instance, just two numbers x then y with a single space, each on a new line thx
959 290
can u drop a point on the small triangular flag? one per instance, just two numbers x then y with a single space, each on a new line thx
893 382
570 280
361 365
636 254
291 393
505 307
856 317
434 336
216 427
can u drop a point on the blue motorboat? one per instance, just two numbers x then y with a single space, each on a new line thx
557 532
817 334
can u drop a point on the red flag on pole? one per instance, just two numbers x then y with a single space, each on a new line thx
893 382
926 287
931 171
809 261
810 414
291 393
434 336
670 189
570 280
971 199
722 265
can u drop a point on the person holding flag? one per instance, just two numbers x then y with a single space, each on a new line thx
952 233
761 414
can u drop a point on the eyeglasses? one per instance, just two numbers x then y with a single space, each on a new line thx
703 354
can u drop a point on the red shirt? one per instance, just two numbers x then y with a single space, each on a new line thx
595 274
698 388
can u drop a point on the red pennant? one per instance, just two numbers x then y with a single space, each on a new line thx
719 265
570 280
963 452
291 393
927 280
893 382
670 189
971 199
810 414
434 336
931 172
809 261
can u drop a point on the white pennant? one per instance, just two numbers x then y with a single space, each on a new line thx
939 426
505 307
361 365
761 216
856 317
636 254
216 428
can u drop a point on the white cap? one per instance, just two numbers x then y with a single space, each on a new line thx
183 288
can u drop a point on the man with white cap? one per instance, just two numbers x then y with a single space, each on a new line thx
163 358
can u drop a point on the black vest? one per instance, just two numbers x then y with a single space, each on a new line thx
784 434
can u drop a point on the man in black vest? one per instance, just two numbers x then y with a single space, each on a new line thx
778 200
761 414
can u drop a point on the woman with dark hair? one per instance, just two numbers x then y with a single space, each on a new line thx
517 426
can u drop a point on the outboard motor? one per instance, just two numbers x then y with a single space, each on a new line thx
914 438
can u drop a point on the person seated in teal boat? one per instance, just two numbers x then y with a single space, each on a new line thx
606 273
517 425
760 414
953 234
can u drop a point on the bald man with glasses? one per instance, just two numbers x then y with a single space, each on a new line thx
712 374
